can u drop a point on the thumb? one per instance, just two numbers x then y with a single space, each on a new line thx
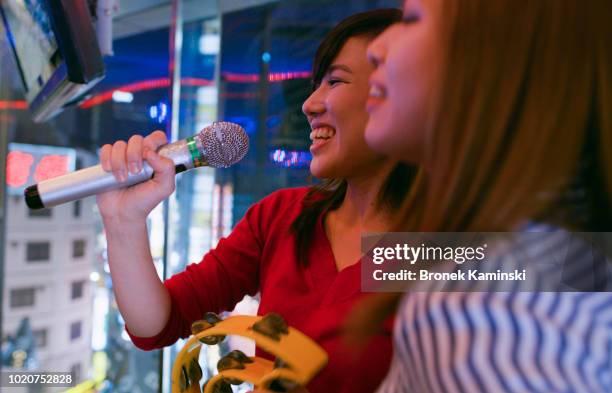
163 169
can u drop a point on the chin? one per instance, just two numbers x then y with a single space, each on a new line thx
377 140
320 171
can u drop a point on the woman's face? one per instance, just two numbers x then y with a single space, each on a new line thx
337 116
407 58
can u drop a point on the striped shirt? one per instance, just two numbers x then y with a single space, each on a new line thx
446 342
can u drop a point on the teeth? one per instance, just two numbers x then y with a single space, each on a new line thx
322 132
377 91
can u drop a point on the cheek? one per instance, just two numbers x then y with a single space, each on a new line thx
351 118
410 86
408 131
388 135
406 124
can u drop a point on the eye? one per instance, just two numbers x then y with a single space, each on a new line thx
411 18
334 81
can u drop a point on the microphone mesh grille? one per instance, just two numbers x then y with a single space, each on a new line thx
223 144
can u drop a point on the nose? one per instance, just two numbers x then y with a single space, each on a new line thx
377 50
314 104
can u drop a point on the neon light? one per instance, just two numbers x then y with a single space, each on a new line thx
158 112
18 168
153 112
165 82
291 158
140 86
272 77
19 105
123 96
240 78
50 166
283 76
164 112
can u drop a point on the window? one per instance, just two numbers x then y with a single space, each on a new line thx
77 289
38 251
78 248
22 297
76 209
40 213
75 330
40 336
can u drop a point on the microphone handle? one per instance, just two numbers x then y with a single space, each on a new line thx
94 180
86 182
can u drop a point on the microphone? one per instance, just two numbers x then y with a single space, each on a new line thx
219 145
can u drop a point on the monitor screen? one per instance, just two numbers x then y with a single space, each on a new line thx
33 42
56 51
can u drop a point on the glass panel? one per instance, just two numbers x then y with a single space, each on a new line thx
191 215
58 310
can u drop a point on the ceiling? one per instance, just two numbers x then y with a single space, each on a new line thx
138 16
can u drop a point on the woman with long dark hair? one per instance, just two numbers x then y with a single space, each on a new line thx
300 248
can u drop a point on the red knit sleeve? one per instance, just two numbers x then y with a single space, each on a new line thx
220 280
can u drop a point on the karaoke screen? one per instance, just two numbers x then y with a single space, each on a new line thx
33 42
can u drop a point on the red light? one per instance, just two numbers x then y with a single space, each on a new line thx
143 85
18 168
51 166
240 78
19 105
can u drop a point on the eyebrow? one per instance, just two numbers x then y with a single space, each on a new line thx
340 67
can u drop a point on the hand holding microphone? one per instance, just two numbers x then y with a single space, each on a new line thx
125 183
125 159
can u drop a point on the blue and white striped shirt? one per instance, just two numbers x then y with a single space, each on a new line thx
544 342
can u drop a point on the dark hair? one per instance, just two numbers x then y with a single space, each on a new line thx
330 194
368 23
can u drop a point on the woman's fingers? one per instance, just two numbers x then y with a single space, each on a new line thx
134 154
154 140
121 157
164 171
118 160
105 157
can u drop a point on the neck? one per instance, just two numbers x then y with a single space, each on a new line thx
359 207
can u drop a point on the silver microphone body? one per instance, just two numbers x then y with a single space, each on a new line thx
219 145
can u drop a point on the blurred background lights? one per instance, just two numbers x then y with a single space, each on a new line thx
291 158
159 112
123 96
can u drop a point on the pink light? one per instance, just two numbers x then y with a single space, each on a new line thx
283 76
18 168
51 166
196 82
240 78
272 77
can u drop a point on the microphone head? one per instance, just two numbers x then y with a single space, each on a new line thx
223 144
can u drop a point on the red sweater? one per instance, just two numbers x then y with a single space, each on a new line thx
259 255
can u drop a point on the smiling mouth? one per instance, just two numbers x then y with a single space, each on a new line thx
321 136
377 92
322 133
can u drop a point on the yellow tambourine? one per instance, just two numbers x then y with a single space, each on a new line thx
298 357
